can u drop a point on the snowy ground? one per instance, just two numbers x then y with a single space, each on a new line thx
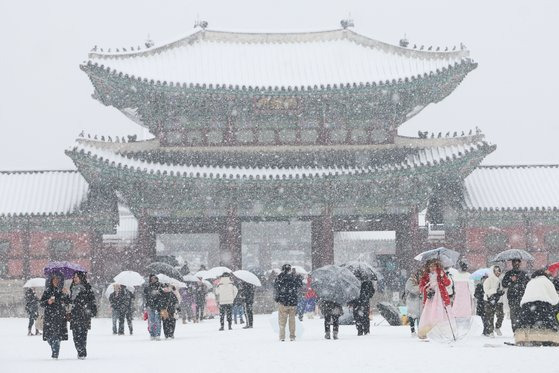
202 348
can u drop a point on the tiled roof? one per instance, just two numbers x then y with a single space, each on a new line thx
422 158
512 188
25 193
263 60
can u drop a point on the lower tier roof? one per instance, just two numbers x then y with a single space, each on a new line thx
512 188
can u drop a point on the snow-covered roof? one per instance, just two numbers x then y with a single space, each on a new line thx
24 193
422 158
494 188
277 59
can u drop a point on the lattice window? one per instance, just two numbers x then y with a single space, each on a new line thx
60 249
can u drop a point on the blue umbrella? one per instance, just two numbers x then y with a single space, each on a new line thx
477 275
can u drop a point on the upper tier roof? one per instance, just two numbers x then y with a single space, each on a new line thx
277 59
25 193
514 188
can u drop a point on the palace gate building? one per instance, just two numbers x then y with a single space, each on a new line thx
292 127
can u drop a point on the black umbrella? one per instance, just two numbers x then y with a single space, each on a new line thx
390 312
336 284
363 270
166 269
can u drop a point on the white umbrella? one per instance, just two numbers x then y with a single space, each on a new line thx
447 257
190 278
37 282
129 278
247 277
300 270
164 279
111 289
201 274
216 272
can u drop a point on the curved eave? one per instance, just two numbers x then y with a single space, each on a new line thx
90 157
100 71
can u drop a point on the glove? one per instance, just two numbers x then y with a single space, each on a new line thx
430 293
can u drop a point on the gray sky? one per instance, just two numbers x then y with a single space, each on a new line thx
45 99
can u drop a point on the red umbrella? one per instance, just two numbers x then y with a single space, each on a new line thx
553 268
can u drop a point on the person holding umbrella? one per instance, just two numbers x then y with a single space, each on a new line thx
493 302
225 293
248 296
54 301
152 303
436 301
32 309
515 281
361 306
82 301
413 300
331 312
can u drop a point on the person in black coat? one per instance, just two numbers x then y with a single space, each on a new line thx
479 295
331 312
169 305
361 306
152 304
248 296
515 282
32 309
55 301
121 303
200 298
286 289
84 308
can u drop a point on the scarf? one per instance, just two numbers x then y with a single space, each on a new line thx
76 289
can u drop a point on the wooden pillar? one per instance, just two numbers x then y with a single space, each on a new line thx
97 256
407 241
145 244
26 246
322 240
230 241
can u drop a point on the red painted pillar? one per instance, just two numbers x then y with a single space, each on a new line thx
322 240
230 241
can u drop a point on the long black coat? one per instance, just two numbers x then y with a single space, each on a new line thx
287 287
169 302
31 303
152 296
515 290
121 302
55 324
83 308
366 293
247 293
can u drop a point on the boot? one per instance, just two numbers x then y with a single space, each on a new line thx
230 328
498 332
335 335
221 329
327 335
37 332
29 332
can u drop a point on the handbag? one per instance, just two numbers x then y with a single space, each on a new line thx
164 314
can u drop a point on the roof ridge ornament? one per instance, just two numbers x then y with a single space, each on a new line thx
149 43
201 24
347 23
404 42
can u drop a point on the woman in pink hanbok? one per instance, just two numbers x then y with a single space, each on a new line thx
437 312
463 293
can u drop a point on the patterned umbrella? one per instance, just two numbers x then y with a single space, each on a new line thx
166 269
66 268
447 257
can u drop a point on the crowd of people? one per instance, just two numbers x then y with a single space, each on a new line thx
438 299
445 297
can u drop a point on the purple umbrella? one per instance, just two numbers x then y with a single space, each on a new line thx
66 268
